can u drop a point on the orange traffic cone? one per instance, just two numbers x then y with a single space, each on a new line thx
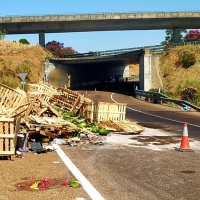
185 146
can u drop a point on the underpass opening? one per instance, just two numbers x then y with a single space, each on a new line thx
96 68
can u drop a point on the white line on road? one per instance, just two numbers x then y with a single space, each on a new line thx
88 187
153 114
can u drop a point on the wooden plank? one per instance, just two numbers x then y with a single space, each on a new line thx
9 96
6 119
12 141
7 153
46 133
4 97
7 135
30 108
75 104
6 125
13 100
1 139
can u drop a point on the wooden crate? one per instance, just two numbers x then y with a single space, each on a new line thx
101 111
7 137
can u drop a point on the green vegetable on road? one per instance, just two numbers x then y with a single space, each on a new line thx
74 184
103 131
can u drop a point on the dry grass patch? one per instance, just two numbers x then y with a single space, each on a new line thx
176 77
16 58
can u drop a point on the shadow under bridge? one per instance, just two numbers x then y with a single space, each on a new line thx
93 68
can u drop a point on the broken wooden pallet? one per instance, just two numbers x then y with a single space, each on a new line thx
123 127
39 108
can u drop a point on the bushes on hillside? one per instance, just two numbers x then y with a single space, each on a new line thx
58 49
193 35
186 58
189 94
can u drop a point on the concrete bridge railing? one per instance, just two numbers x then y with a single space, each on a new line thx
99 16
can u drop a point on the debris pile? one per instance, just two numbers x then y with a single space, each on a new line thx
46 114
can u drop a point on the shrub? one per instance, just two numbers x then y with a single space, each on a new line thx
24 41
156 90
70 50
186 58
168 46
189 94
193 35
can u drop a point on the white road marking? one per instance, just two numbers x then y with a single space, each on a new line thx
88 187
154 115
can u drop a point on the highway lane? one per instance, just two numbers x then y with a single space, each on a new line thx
131 173
153 115
160 117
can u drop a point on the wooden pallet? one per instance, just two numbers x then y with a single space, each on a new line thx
60 97
7 137
10 98
43 90
123 127
101 111
67 100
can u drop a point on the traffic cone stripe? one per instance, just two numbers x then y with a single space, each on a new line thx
185 131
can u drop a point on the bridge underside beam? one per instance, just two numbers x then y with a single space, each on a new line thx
98 25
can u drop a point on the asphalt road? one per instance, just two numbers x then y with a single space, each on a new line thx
151 115
121 172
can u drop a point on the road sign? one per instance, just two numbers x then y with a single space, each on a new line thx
22 76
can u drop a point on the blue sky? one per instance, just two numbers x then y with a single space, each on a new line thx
96 41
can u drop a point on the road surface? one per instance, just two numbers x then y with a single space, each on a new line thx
130 172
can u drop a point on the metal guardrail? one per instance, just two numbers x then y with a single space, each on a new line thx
116 52
159 97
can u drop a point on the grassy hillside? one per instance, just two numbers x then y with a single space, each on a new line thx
16 58
176 77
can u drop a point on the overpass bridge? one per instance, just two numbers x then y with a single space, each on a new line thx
97 65
100 22
93 68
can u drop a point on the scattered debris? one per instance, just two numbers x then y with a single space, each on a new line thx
46 183
46 114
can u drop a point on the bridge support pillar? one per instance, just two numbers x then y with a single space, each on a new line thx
176 35
145 71
42 39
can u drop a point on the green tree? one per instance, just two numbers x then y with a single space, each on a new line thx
169 36
2 34
24 41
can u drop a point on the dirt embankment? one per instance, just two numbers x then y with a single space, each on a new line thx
174 76
17 58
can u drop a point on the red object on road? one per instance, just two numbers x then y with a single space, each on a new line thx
185 146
